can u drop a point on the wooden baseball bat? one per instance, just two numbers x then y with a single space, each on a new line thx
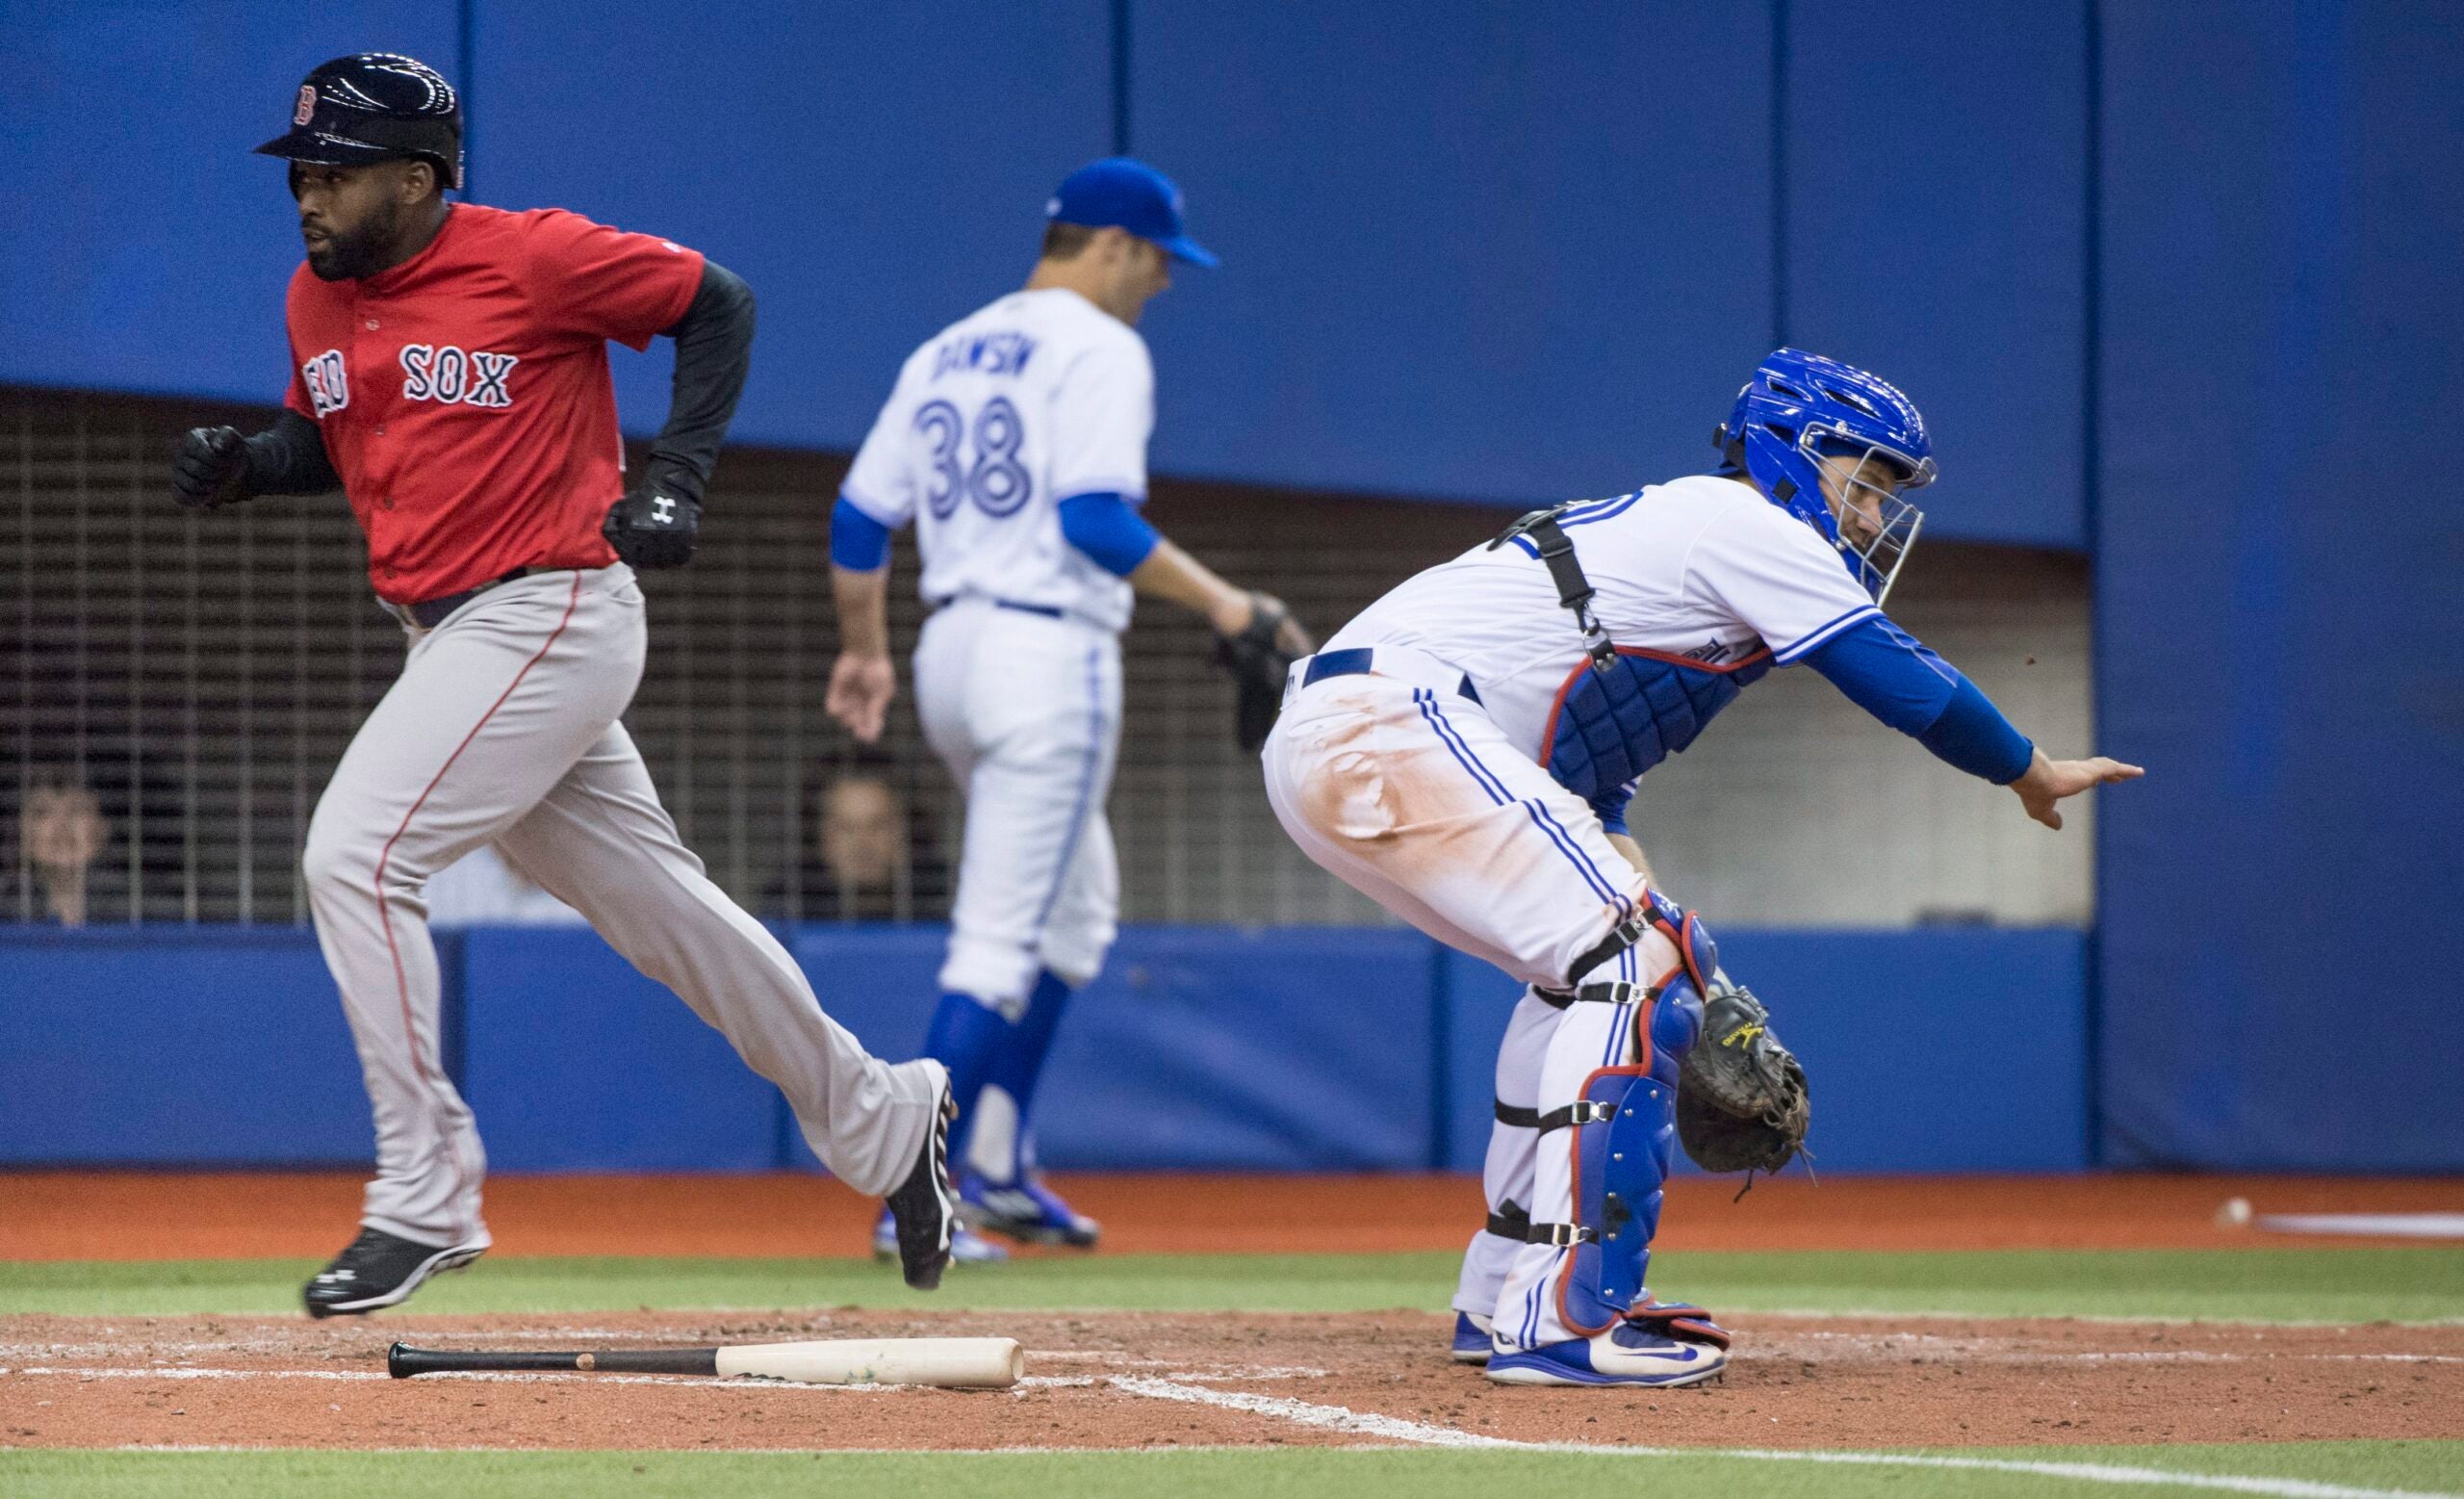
949 1362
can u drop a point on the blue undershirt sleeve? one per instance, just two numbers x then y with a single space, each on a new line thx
858 542
1886 671
1973 735
1112 535
1611 807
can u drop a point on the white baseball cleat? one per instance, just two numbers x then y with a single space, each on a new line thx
1630 1353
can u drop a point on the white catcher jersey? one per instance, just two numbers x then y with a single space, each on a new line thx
1036 398
1702 570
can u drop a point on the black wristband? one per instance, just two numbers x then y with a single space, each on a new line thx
289 458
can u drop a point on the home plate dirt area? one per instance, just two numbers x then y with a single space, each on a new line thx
1103 1379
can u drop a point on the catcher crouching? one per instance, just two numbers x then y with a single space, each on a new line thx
1464 753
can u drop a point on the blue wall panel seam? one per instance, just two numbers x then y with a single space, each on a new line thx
1120 77
465 48
1779 174
2090 504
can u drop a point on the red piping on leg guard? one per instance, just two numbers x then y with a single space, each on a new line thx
1671 1318
1684 933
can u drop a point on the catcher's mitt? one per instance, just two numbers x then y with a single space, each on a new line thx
1741 1101
1259 656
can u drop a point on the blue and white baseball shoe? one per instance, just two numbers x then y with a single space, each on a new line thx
1472 1340
1665 1347
966 1246
1025 1210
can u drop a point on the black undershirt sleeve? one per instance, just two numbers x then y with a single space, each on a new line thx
289 458
713 353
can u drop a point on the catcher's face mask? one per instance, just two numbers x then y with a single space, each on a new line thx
1864 485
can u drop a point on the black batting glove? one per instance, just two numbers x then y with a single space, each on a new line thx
211 469
653 527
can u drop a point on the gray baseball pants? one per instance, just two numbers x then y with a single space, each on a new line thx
503 728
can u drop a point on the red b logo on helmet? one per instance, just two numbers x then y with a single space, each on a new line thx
307 104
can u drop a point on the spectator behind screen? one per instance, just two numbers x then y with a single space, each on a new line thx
61 831
865 855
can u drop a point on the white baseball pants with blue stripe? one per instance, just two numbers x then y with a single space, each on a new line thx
1413 797
1024 709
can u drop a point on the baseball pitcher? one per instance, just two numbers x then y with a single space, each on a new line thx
450 376
1016 443
1464 753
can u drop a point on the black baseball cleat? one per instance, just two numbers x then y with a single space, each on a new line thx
380 1268
925 1206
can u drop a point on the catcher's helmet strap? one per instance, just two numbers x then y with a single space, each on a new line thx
1574 591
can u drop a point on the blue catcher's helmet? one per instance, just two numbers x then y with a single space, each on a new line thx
1800 409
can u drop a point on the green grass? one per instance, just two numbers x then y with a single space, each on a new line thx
2275 1284
1419 1474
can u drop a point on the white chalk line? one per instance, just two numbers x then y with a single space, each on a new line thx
1335 1418
1343 1418
2101 1319
1339 1418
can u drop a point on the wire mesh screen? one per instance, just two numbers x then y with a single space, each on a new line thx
174 691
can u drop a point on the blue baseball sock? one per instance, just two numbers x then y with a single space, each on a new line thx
999 1151
968 1037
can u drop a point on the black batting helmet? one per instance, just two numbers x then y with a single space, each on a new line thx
374 107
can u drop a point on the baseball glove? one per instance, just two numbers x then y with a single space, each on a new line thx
1741 1101
1259 656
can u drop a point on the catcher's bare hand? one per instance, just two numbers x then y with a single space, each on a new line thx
860 689
2050 780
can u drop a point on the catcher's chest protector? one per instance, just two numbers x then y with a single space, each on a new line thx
1620 711
1612 724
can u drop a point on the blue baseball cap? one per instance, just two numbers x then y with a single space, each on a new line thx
1119 193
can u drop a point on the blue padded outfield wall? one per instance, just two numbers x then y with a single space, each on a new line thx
1308 1049
2176 286
2280 561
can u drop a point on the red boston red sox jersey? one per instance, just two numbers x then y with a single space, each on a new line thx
464 394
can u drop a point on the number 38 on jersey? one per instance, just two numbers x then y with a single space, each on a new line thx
974 460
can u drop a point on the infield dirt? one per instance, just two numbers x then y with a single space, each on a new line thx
1141 1380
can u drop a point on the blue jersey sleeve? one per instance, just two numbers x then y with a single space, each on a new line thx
1111 534
858 542
1886 671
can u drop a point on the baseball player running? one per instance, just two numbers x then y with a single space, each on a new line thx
450 378
1464 751
1015 441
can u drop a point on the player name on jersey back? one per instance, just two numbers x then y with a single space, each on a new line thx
1003 353
1036 398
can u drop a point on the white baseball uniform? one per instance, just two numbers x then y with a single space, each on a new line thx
1036 398
1426 780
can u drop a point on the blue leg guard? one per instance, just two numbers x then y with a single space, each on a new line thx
1624 1144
